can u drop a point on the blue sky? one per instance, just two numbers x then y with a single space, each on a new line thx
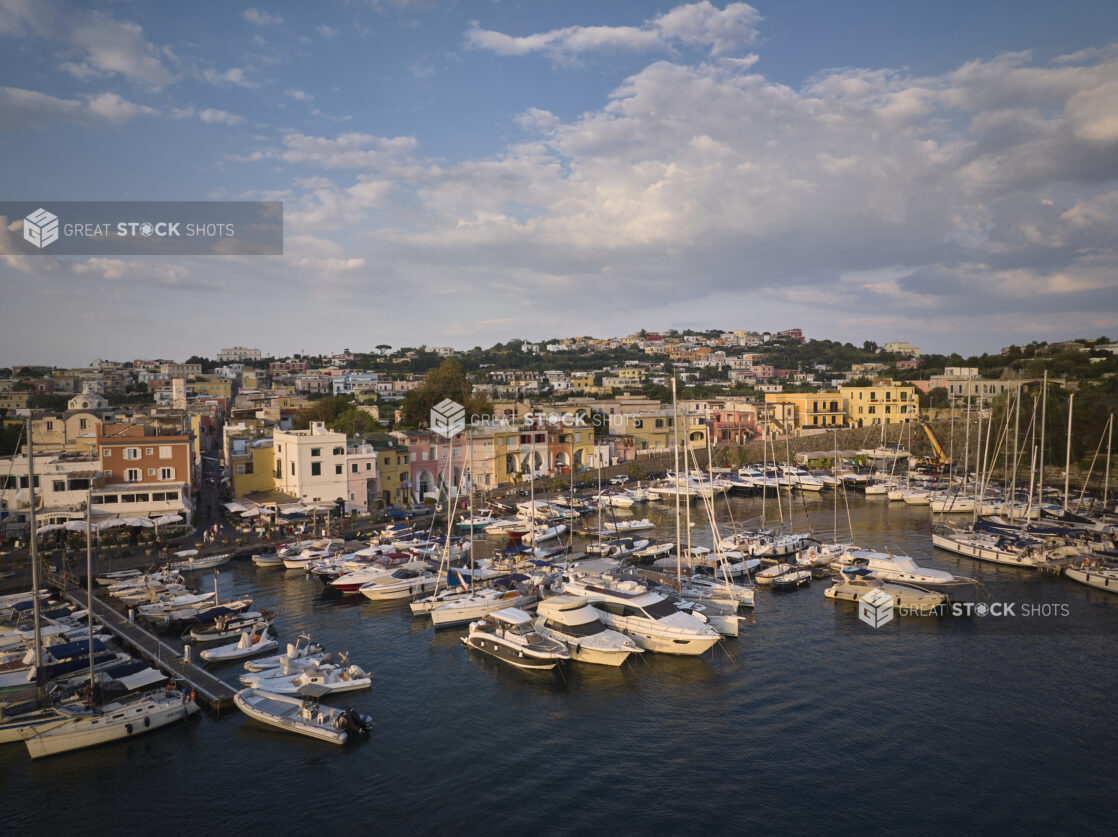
458 173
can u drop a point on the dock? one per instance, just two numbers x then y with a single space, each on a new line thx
215 694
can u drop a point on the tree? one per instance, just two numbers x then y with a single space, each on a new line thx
447 380
383 347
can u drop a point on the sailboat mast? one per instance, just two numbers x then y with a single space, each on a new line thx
675 448
34 558
1040 463
1013 480
89 577
1067 458
1109 449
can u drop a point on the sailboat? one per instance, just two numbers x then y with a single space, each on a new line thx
87 725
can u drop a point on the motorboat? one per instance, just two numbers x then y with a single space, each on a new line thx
616 499
267 560
653 620
383 565
401 583
190 561
303 714
629 525
902 569
572 621
301 649
258 641
509 635
230 625
856 583
110 722
766 576
989 546
791 580
334 678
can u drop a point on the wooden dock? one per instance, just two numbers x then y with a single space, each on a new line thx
216 694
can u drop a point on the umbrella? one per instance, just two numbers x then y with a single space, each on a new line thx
251 513
50 527
168 518
76 526
235 507
138 521
109 524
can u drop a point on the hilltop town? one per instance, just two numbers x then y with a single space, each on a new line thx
348 430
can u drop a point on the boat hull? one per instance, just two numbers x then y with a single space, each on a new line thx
125 722
1099 581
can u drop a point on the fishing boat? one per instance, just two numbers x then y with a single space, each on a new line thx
250 644
109 722
509 635
303 715
572 621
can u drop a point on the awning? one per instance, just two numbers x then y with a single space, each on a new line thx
168 518
235 507
50 527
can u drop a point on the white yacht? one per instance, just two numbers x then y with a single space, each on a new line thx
986 546
901 568
508 635
571 620
464 609
652 619
1099 578
401 583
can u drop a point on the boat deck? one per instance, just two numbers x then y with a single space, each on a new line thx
216 694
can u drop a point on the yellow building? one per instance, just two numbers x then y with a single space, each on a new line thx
655 430
252 471
888 402
393 472
582 382
811 409
213 387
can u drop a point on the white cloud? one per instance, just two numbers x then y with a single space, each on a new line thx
234 76
31 109
299 95
219 117
261 18
697 24
327 32
144 271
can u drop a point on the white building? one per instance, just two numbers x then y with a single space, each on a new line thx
900 347
238 353
311 464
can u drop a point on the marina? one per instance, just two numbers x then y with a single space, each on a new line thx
734 704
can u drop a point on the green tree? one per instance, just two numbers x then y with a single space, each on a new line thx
447 380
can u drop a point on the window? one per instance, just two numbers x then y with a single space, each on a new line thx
81 424
172 496
151 472
141 498
149 451
109 474
353 468
166 474
316 451
59 485
79 485
369 466
292 469
337 469
108 451
316 469
339 451
50 425
127 498
158 497
131 453
133 475
164 451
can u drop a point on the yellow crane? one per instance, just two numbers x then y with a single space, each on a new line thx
938 457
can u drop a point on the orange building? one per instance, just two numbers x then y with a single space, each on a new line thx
135 453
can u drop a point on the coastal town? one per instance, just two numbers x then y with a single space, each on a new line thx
339 431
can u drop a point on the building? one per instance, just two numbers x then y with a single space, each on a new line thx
362 487
248 453
812 409
136 454
238 353
888 402
310 464
179 370
899 347
977 390
393 470
654 431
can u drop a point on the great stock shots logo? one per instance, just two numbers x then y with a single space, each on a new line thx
875 608
40 228
448 418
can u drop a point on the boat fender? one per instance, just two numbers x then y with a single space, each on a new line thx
128 728
147 721
192 695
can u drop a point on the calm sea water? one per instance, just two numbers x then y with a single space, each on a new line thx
809 723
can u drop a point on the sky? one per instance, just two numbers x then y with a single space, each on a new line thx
464 173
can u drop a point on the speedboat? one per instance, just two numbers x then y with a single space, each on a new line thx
335 678
856 583
230 625
791 580
249 645
303 714
766 576
572 621
301 649
629 525
508 635
401 583
190 560
267 560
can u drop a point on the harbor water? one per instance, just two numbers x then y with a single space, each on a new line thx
810 722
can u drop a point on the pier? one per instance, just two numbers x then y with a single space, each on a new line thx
209 691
